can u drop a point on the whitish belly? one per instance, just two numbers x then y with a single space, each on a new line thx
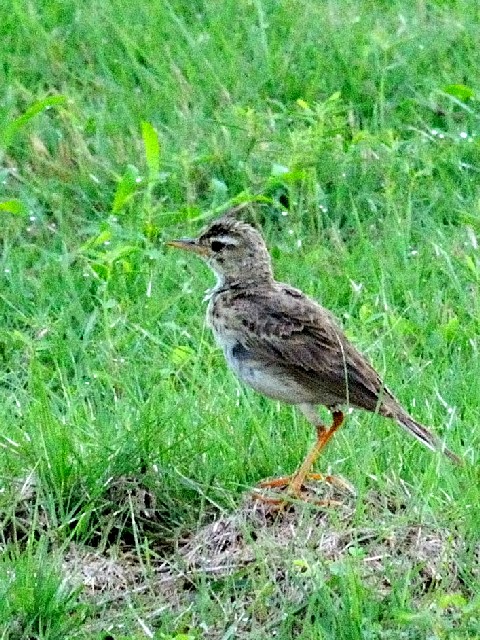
266 379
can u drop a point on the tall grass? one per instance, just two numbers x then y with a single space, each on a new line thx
125 125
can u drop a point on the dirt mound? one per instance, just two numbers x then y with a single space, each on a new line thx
292 548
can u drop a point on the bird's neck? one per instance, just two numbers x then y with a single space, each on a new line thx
246 277
247 280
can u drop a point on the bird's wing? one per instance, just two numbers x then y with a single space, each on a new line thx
291 331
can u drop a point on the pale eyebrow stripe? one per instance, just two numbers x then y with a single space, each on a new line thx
226 240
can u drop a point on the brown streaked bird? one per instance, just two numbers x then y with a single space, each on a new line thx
285 345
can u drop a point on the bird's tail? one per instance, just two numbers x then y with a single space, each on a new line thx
426 437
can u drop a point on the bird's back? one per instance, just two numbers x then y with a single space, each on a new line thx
284 331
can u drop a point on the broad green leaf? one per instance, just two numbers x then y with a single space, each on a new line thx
120 252
334 97
365 312
103 271
152 149
473 266
303 104
126 188
278 176
37 107
448 600
181 354
449 330
126 265
96 241
14 206
460 91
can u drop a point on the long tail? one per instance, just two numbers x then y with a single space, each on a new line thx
426 437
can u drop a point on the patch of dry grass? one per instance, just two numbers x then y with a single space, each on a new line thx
289 554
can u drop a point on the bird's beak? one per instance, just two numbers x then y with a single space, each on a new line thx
188 244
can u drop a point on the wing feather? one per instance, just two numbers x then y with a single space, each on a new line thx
292 331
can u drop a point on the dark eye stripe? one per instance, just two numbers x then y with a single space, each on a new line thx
217 245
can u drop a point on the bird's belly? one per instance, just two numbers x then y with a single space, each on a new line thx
275 386
264 378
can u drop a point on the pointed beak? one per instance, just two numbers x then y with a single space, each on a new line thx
188 244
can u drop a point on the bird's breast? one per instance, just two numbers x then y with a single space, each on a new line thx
251 367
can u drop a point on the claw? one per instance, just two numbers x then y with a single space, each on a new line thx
286 500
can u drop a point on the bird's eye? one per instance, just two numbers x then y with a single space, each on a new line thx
217 245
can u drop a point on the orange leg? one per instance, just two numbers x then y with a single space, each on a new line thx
296 482
323 436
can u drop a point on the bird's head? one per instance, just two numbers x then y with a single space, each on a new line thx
233 249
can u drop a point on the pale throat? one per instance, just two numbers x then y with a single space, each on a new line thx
220 280
220 283
248 273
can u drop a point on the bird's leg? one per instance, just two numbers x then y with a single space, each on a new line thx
296 482
323 436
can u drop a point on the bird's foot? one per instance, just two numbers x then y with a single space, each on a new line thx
296 489
295 483
288 500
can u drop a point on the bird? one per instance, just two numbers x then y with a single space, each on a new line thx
285 345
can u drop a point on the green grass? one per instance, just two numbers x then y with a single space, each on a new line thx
121 127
